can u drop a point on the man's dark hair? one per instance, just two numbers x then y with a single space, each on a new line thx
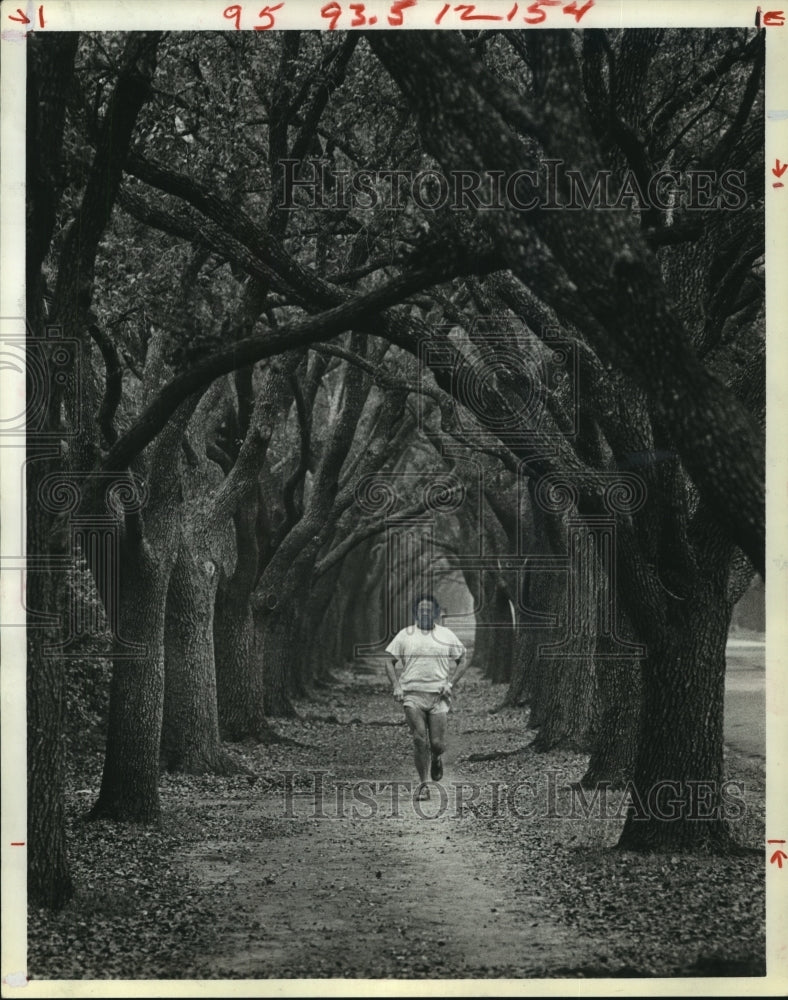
426 597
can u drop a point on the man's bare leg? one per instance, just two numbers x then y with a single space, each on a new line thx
417 722
436 722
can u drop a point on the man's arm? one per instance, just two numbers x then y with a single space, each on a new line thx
462 666
391 670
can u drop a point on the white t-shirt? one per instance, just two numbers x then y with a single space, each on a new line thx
426 656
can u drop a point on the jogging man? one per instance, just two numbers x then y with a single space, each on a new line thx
432 660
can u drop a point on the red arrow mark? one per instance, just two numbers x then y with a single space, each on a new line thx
778 170
778 858
22 19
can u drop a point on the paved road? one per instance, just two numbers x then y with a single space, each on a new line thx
745 698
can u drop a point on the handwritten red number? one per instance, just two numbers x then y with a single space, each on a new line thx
439 18
395 17
536 10
359 17
572 8
468 13
774 18
267 12
24 19
511 13
234 14
333 12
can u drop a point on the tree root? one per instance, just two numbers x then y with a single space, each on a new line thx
543 744
495 754
333 720
654 837
506 703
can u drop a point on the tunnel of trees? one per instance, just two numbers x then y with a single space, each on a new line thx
283 386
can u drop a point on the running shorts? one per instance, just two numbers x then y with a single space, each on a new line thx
428 701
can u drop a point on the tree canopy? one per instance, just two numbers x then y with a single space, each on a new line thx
326 284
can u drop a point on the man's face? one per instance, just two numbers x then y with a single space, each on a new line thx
425 614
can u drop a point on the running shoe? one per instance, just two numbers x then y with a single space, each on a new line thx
436 769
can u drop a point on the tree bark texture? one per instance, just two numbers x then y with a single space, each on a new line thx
322 641
543 594
190 731
130 781
277 651
148 550
279 632
50 70
239 676
679 765
498 642
620 689
48 878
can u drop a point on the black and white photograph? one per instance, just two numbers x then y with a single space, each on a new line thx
388 497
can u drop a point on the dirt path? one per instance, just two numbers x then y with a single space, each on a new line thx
314 868
337 872
399 889
340 873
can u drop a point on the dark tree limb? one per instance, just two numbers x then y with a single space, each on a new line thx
185 227
343 548
75 266
685 95
113 383
718 157
602 256
298 473
50 69
323 326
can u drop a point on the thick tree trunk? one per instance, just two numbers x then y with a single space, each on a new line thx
679 801
280 628
564 704
358 617
518 690
322 650
483 636
239 675
500 640
190 731
50 68
298 688
129 785
357 626
48 880
325 650
564 698
612 760
541 595
277 648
